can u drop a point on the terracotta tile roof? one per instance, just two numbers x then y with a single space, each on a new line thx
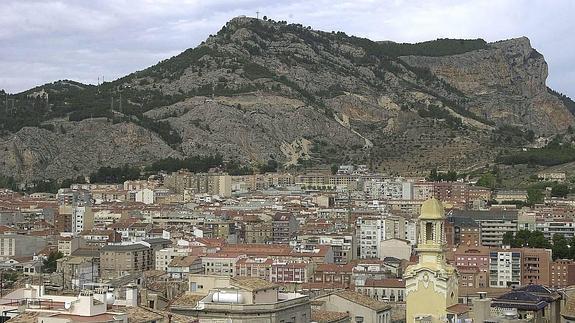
347 268
25 317
252 283
144 314
321 316
458 309
363 300
386 282
321 286
183 261
187 300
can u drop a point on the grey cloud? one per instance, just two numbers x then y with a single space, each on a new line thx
47 40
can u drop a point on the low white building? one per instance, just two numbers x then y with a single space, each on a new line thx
145 196
394 247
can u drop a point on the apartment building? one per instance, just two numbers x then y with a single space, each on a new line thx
343 244
123 259
562 273
519 266
254 267
243 300
290 272
199 183
15 245
340 275
182 266
67 245
386 290
257 231
165 256
284 227
77 271
220 264
466 231
493 223
505 196
82 219
550 227
504 268
370 232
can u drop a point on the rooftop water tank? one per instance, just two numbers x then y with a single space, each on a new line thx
228 297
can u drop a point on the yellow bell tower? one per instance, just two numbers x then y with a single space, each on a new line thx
431 284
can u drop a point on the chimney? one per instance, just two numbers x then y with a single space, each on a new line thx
481 308
131 295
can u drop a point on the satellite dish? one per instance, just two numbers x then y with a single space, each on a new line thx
67 305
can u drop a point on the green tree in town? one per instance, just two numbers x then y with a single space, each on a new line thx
534 196
560 247
50 262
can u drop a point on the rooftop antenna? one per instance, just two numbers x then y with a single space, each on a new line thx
257 15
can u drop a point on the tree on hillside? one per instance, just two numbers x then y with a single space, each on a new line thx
560 190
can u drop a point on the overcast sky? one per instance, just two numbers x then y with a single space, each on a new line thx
46 40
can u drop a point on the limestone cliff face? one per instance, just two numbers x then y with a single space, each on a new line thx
34 153
505 83
260 90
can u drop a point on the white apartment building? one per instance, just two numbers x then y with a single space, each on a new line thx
370 232
388 189
504 268
565 227
82 219
220 265
145 196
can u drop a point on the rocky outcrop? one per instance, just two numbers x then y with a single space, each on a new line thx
261 90
505 83
34 153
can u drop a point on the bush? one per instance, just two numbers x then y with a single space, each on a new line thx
550 155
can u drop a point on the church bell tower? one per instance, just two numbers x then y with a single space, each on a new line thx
431 284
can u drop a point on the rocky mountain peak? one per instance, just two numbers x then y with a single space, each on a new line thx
266 90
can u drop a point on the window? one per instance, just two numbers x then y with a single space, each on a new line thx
428 231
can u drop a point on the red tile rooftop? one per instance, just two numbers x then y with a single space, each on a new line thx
334 268
458 309
106 317
386 283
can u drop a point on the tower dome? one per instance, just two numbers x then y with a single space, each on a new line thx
432 209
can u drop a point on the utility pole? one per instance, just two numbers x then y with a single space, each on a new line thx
257 15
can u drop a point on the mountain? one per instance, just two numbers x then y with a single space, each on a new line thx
265 90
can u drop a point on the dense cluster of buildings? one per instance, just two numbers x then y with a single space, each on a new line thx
346 247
